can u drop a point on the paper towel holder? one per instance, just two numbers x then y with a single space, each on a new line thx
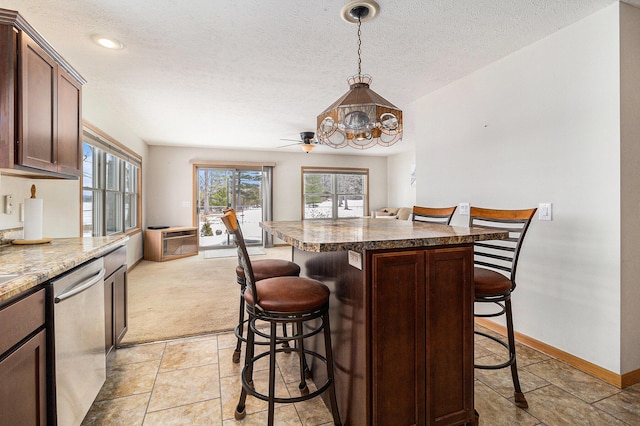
34 241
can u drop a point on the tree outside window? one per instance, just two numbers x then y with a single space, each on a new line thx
332 194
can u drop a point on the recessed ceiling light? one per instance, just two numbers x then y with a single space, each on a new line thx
109 43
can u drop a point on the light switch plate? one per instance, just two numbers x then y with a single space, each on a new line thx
464 208
545 211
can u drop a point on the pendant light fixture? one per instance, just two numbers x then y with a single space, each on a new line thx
360 118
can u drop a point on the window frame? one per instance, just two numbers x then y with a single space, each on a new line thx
335 171
104 146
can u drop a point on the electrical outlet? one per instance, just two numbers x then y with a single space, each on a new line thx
8 204
544 211
464 208
355 259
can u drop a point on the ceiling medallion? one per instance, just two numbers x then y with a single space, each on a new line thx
360 118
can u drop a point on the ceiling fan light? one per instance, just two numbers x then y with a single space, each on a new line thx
307 147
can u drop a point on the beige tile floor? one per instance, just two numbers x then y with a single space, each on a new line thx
192 381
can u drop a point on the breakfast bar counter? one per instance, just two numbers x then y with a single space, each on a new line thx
401 315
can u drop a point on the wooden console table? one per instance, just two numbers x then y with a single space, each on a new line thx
401 315
170 243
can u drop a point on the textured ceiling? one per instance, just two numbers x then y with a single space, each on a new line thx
244 74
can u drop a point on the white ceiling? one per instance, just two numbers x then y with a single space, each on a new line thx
243 74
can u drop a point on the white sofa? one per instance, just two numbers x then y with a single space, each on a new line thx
400 213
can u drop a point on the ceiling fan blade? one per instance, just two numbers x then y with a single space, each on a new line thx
292 140
291 144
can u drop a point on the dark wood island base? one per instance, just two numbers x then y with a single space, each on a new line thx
402 332
401 318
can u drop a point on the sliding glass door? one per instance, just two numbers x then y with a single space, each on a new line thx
237 188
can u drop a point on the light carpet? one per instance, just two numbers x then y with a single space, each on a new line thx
231 252
185 297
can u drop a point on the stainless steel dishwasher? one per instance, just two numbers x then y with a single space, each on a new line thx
79 330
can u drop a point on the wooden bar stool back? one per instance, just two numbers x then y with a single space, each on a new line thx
495 276
433 214
303 302
262 269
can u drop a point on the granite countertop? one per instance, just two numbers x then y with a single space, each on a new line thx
38 263
373 234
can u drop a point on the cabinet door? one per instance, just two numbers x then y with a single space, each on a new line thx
109 336
37 126
422 334
398 330
449 335
8 67
68 153
25 401
115 308
120 317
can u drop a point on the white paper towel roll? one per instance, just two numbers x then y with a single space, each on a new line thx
32 219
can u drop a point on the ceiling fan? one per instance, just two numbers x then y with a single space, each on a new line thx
307 141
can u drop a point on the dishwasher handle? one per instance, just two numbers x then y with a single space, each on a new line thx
80 287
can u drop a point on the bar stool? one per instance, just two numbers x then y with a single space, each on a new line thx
262 269
433 214
304 302
492 286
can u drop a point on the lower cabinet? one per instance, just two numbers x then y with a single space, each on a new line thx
23 362
25 401
402 334
422 345
115 299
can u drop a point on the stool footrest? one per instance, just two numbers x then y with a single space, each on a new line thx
510 361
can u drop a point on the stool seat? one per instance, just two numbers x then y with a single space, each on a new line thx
289 294
269 268
490 283
262 269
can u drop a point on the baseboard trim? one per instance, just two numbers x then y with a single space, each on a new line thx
136 263
620 381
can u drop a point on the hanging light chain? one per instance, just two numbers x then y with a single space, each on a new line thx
359 48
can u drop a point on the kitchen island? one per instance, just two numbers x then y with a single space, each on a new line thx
401 315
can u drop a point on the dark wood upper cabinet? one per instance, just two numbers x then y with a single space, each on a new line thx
40 104
69 148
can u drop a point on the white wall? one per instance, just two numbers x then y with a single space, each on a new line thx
170 182
60 219
542 125
630 165
399 166
401 193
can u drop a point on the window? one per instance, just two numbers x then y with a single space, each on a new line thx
110 186
334 193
